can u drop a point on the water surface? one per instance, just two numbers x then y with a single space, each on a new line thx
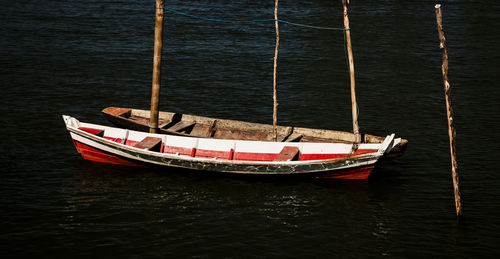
78 57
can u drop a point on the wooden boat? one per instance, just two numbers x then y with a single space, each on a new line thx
340 160
229 146
205 127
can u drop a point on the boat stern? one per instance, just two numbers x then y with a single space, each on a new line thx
387 145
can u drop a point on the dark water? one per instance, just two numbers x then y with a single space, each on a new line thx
77 57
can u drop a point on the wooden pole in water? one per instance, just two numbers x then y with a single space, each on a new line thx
155 95
449 111
355 127
275 98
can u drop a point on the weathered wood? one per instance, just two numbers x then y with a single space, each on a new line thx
275 98
294 137
162 124
233 129
149 143
211 129
122 112
287 154
288 132
181 125
347 31
449 111
155 92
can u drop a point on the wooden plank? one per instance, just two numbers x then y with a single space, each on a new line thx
211 129
121 112
149 143
294 137
163 123
203 130
288 132
181 125
287 154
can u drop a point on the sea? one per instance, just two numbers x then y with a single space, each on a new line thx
67 57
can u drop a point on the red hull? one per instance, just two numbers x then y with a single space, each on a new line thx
92 154
96 155
361 173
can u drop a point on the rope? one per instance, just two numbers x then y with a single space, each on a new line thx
312 26
251 21
354 148
215 19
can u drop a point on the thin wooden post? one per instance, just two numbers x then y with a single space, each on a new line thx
449 111
155 92
355 127
275 98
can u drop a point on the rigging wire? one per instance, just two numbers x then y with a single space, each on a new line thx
269 20
252 21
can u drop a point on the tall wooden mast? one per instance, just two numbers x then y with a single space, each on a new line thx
155 95
347 32
275 99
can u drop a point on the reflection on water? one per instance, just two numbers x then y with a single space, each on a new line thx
182 207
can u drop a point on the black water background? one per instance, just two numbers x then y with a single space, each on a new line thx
77 57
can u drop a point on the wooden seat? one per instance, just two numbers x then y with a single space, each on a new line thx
121 112
290 136
289 131
202 130
149 143
287 154
181 125
294 137
162 123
